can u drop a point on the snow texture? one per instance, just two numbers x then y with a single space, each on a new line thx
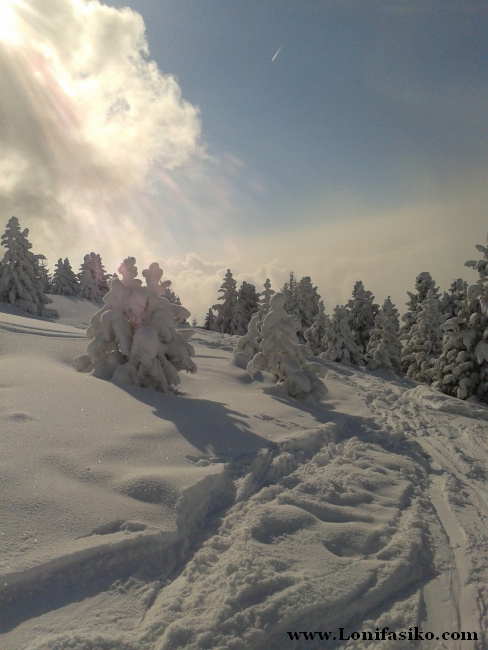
227 516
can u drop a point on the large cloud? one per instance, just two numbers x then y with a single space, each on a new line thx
84 116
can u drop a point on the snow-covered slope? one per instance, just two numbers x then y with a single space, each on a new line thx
230 516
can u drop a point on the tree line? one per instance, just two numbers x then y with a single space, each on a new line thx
441 340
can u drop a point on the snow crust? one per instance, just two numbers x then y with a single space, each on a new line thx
227 515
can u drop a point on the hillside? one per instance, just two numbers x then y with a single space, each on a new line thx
230 516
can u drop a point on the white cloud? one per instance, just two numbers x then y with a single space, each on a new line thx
85 114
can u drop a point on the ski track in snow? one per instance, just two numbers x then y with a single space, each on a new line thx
366 511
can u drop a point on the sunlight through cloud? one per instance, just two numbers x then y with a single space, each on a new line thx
86 115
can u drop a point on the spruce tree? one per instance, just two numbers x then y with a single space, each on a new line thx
462 368
290 291
341 344
64 280
225 319
21 279
424 343
384 349
247 305
134 339
92 277
265 296
450 299
281 355
317 333
307 307
209 323
363 311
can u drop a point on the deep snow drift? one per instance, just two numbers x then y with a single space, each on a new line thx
229 515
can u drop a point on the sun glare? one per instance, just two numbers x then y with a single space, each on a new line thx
9 24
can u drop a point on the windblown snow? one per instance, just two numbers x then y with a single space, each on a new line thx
230 516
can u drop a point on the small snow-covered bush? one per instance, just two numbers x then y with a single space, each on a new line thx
134 338
285 358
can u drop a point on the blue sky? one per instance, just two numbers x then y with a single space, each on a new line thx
359 152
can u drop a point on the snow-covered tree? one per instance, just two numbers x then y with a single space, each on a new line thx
21 279
307 305
362 313
302 301
290 291
450 299
92 277
134 338
170 295
384 349
43 274
249 344
265 296
64 280
283 356
209 323
341 344
423 284
225 318
462 368
424 342
247 304
316 334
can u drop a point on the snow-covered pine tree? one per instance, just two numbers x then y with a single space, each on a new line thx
423 284
462 368
209 323
98 272
249 299
224 321
362 313
249 344
92 277
170 295
134 338
341 344
449 301
64 280
247 305
285 358
265 297
21 281
290 291
424 343
43 274
384 348
302 301
318 331
307 305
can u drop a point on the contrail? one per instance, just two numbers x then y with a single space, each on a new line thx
278 51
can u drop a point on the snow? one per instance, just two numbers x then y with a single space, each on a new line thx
227 514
